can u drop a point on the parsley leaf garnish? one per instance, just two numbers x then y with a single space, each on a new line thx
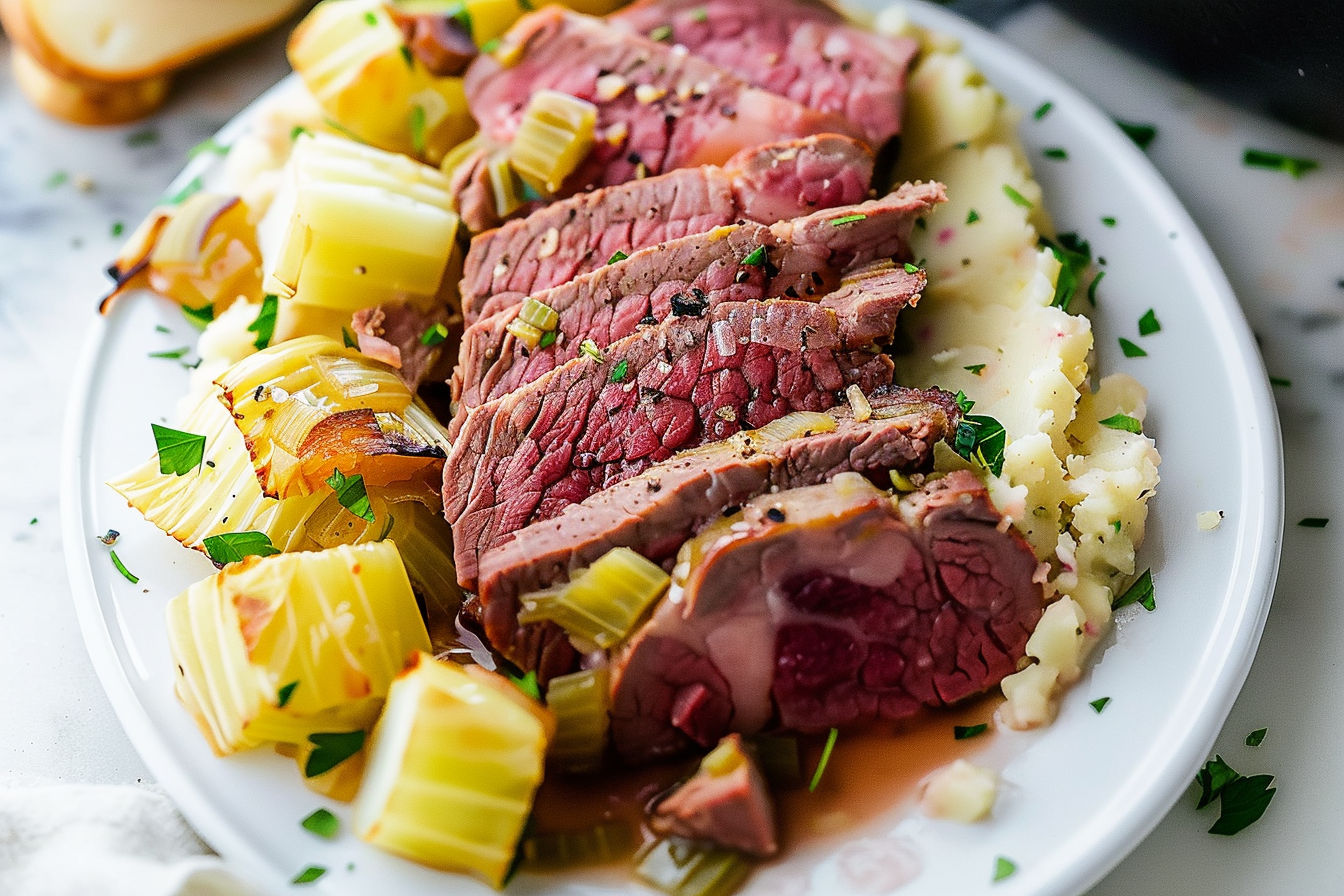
1092 288
121 568
322 823
209 144
434 335
847 219
1074 256
330 750
981 439
1314 522
1043 110
1141 134
965 732
1131 350
1275 161
1004 868
1056 152
191 188
349 339
179 452
547 339
417 122
283 694
756 258
1140 592
1243 801
309 874
351 494
147 137
1212 778
230 547
171 354
1122 422
972 216
1108 221
1148 324
1016 197
527 684
911 268
264 325
974 368
824 760
619 372
1280 381
1099 704
1256 737
118 228
616 256
199 317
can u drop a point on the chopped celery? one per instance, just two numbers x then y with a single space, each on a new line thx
602 603
555 135
538 314
606 842
579 701
682 868
524 332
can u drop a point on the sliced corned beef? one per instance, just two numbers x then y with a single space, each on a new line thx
828 606
801 258
592 422
658 510
560 241
725 802
658 108
407 338
803 50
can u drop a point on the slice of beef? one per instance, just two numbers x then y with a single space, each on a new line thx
687 381
655 512
829 606
558 242
407 338
801 259
803 50
658 107
726 802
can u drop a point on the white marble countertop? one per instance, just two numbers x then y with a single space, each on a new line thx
1280 240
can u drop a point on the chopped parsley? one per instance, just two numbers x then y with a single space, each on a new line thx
1242 800
1274 161
1131 350
370 19
847 219
1016 197
284 693
972 216
1074 255
980 438
1043 110
1123 422
56 179
1056 152
407 56
911 268
179 452
191 188
312 872
160 328
618 373
1140 592
700 14
1280 381
1004 868
1256 737
434 335
1314 522
330 750
661 33
824 760
966 732
264 325
210 145
1092 288
1108 221
121 568
588 348
491 45
1141 134
298 131
230 547
199 317
118 228
1099 704
322 823
616 256
756 258
33 521
147 137
974 368
1148 324
351 494
547 339
417 122
349 339
171 354
341 129
527 684
1212 778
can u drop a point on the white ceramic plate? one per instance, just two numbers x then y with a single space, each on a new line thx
1077 796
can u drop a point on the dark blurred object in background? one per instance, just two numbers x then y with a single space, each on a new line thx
1281 57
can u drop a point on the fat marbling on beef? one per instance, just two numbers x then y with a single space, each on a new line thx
803 50
801 258
599 419
827 606
655 512
658 107
565 239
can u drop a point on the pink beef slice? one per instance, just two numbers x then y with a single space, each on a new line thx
565 239
686 381
394 334
688 112
730 807
829 606
655 512
803 50
802 259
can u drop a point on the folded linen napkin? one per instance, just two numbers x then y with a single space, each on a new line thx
67 840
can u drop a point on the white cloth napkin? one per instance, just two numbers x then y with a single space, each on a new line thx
64 840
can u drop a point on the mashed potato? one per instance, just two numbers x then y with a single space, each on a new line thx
1077 490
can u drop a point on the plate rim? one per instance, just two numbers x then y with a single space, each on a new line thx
1071 874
